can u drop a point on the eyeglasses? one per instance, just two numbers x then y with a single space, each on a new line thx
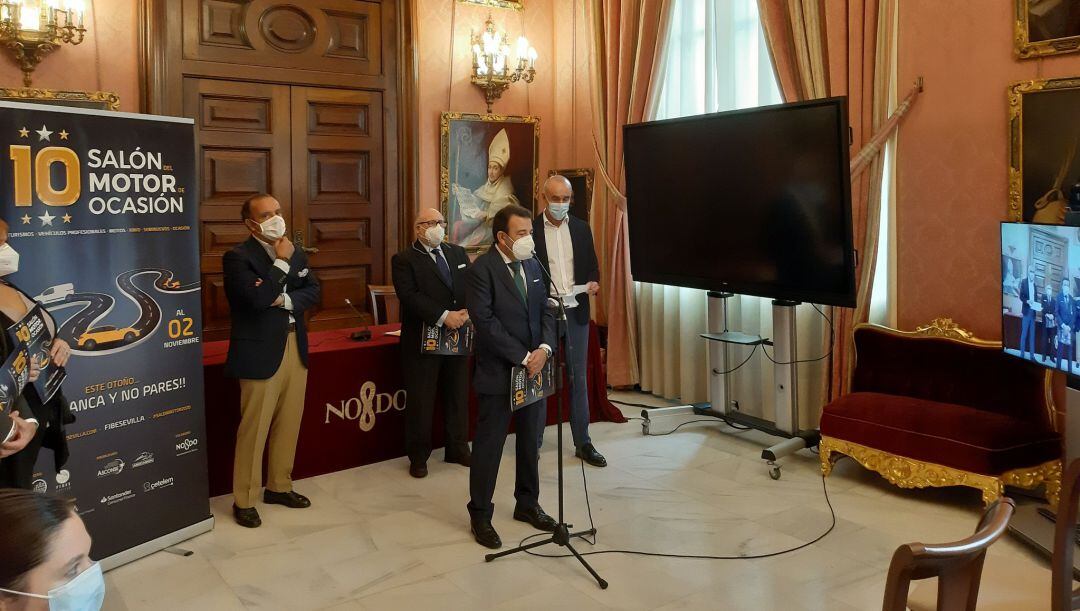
427 224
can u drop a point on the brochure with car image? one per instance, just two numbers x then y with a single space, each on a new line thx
526 391
14 374
33 332
443 340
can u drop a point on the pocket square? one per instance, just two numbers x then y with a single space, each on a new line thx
536 280
304 272
461 266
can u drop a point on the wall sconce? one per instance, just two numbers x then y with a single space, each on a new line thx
491 62
31 29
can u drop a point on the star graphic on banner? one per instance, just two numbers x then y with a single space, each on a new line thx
63 134
43 133
67 218
24 133
26 219
46 219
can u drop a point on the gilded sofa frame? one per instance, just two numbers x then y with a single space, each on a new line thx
908 472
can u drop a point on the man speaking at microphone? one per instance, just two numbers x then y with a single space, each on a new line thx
507 301
268 285
429 279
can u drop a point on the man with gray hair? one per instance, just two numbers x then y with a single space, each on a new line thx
564 245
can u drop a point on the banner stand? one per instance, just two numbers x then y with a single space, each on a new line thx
157 545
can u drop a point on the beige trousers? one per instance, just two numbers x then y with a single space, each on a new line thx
269 408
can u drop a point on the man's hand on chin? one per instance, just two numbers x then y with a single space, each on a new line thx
537 359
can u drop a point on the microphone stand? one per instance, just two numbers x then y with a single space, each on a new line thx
562 534
362 335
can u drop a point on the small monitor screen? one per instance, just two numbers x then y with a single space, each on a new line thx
1040 311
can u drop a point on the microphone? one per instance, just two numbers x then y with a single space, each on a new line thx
364 334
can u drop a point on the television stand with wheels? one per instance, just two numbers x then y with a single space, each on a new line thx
720 338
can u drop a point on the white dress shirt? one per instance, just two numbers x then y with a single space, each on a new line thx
431 253
521 270
560 251
286 301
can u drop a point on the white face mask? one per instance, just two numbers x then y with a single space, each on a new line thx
86 592
273 228
434 235
523 248
9 260
559 211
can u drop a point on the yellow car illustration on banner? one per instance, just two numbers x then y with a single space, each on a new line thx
102 335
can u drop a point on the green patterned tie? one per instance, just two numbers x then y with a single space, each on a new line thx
519 278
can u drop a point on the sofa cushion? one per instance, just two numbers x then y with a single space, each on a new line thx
948 434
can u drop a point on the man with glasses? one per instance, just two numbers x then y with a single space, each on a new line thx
429 277
564 245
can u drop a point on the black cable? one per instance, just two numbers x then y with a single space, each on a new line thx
592 525
679 427
832 332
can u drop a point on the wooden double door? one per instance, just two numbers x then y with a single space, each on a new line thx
319 151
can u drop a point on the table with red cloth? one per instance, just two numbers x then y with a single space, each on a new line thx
353 409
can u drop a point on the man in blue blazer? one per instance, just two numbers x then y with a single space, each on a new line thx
269 286
507 301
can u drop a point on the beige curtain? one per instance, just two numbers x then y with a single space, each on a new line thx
626 47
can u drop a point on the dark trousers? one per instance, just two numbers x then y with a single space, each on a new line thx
17 470
1027 335
491 430
426 376
1064 355
1051 333
577 364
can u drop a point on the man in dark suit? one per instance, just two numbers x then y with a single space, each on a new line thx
564 245
429 278
1065 314
507 301
1049 321
269 286
1028 298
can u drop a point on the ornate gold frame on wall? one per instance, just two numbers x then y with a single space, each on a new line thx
1025 49
1016 135
911 473
444 154
516 5
102 100
589 176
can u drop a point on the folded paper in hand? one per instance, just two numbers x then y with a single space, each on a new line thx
570 299
526 391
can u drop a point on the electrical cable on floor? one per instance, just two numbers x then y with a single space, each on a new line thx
734 425
592 525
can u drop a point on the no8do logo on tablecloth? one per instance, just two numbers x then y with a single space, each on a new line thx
364 408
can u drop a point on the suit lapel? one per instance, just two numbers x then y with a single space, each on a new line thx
502 271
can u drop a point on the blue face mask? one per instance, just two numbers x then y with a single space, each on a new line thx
559 211
86 592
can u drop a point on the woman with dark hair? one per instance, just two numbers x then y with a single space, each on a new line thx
37 424
45 556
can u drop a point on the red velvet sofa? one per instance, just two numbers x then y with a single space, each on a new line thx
937 407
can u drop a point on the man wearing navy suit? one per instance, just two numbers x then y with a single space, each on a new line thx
564 244
1028 299
269 286
1065 314
507 301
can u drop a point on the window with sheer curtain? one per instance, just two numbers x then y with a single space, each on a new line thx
716 60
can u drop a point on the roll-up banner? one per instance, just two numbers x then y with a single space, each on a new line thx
102 208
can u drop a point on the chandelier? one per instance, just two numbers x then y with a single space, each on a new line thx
491 62
31 29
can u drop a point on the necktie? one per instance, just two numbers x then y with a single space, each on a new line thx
519 279
444 268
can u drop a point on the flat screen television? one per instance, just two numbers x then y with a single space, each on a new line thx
754 202
1040 311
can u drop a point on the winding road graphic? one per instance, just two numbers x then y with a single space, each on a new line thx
84 337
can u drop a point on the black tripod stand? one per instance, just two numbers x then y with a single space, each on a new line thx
562 534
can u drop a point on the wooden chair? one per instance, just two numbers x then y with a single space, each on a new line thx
1063 597
390 312
958 566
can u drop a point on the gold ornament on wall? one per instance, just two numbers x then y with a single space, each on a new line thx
32 29
516 5
1046 27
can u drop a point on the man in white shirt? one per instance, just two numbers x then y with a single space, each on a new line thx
564 245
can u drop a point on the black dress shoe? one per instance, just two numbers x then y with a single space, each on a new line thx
589 454
288 499
248 518
485 534
418 469
463 458
536 517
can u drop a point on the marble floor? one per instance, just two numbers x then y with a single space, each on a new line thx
376 538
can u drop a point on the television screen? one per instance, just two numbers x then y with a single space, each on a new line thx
754 202
1039 308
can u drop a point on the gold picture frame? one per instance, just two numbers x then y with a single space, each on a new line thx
516 5
1046 41
581 181
100 100
464 145
1033 206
